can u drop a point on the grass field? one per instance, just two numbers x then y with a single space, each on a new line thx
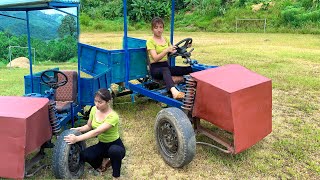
291 151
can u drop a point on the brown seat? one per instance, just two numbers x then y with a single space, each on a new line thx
67 94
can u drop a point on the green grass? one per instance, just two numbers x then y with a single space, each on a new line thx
291 151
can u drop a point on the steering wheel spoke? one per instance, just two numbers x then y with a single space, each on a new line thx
53 81
46 76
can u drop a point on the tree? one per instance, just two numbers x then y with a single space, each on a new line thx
67 27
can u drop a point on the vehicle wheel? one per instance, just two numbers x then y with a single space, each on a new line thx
66 162
175 137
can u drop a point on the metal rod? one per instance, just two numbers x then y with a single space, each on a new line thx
57 9
252 19
33 161
211 145
125 39
12 17
265 25
237 25
10 58
172 59
10 52
78 47
200 129
172 21
29 50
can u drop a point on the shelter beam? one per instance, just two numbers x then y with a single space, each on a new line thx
29 50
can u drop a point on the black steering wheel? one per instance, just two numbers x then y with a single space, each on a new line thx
53 81
182 50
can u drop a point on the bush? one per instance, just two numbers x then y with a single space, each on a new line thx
3 64
98 26
311 16
73 60
148 9
309 4
111 10
291 16
85 19
63 49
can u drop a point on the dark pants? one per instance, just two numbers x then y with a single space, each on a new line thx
162 70
114 150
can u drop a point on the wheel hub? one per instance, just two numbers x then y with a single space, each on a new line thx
168 138
74 157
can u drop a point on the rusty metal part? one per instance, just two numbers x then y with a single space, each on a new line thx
220 140
190 91
54 121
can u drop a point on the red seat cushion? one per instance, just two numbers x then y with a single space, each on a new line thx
67 94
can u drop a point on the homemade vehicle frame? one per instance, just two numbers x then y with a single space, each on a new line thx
175 126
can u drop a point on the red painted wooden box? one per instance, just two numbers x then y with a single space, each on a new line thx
236 100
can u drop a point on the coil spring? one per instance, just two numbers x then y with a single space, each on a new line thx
190 91
54 121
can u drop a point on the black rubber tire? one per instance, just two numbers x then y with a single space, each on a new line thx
175 137
66 162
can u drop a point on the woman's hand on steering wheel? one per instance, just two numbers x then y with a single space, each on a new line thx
182 50
171 49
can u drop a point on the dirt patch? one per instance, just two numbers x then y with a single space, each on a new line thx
20 62
256 7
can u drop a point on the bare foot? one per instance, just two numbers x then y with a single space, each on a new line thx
106 163
176 94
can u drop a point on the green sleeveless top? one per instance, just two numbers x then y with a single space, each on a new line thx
151 44
112 118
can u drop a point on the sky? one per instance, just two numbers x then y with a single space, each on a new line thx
69 10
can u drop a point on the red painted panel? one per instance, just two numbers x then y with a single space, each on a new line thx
236 100
24 127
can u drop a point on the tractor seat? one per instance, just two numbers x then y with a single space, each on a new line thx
67 94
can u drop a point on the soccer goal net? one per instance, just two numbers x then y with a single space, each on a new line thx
251 25
18 51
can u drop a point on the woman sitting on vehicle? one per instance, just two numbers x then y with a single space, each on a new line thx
103 123
159 47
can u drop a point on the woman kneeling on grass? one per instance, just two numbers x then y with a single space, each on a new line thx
104 123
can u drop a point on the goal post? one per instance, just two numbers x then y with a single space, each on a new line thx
10 53
264 21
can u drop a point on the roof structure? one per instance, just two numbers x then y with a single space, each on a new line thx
33 5
29 5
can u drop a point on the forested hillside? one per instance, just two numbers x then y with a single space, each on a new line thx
42 26
53 36
291 16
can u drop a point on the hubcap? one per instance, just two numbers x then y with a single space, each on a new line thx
168 138
74 158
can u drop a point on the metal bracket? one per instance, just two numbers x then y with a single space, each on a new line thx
33 161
